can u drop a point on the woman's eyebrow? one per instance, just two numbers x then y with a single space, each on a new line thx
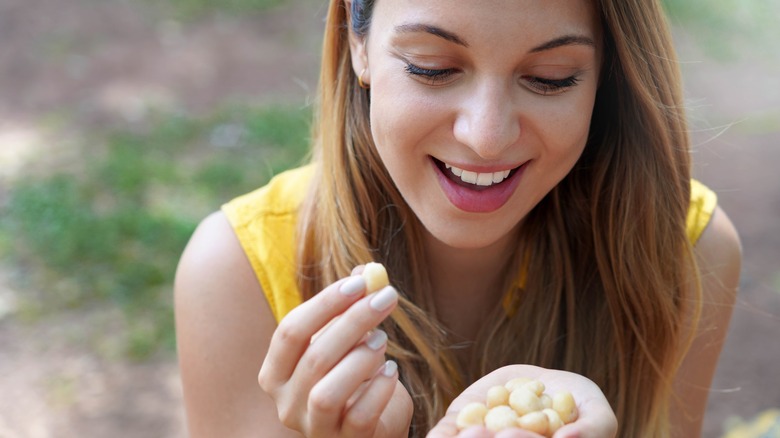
433 30
566 40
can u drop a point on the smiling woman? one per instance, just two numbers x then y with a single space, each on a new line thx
521 169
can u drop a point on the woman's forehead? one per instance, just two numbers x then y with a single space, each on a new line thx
471 22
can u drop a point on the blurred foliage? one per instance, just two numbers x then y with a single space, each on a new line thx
115 229
725 27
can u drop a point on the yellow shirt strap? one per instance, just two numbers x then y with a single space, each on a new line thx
703 203
265 222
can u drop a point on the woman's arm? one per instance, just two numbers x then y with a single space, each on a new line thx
719 257
331 386
223 328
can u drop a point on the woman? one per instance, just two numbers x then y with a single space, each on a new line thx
521 168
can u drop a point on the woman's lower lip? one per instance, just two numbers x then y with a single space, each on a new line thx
484 200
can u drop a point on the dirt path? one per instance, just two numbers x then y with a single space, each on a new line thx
84 64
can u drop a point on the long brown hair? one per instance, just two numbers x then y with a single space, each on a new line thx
608 289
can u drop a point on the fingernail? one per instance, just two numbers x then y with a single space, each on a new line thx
353 285
377 339
383 299
390 368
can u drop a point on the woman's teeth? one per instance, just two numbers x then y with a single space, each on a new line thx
480 179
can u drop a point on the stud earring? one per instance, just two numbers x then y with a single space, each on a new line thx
362 84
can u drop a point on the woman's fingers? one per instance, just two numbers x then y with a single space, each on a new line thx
362 417
323 356
332 345
329 396
295 331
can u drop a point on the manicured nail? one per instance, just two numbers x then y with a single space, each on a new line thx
377 339
353 285
390 368
383 299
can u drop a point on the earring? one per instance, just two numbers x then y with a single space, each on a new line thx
362 84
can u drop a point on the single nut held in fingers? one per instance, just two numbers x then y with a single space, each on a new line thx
376 277
473 414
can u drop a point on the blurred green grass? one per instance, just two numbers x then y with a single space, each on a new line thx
726 29
114 229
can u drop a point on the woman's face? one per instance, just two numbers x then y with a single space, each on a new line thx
479 108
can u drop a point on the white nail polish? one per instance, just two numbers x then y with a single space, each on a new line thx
383 299
377 339
353 285
390 368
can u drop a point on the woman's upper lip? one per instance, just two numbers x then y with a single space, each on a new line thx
482 168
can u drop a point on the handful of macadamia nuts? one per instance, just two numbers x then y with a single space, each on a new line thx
522 403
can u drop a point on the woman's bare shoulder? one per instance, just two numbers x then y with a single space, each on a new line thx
719 252
214 252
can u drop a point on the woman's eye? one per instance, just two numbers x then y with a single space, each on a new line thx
430 75
551 86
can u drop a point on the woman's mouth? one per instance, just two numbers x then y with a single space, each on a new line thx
474 180
477 192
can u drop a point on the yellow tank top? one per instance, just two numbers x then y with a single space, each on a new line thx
265 222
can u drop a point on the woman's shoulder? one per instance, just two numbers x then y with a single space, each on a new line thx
214 256
719 249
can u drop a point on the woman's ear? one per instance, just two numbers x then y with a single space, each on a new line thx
357 50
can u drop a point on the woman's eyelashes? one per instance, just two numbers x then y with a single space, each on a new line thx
432 76
551 86
539 85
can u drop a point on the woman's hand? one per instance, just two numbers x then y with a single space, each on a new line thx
596 419
326 369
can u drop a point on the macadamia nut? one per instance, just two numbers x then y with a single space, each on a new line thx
524 401
553 420
563 404
376 277
535 422
516 383
497 396
500 418
473 414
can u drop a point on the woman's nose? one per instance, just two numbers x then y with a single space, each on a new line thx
487 121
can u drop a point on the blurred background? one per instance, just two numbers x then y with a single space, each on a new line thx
124 122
